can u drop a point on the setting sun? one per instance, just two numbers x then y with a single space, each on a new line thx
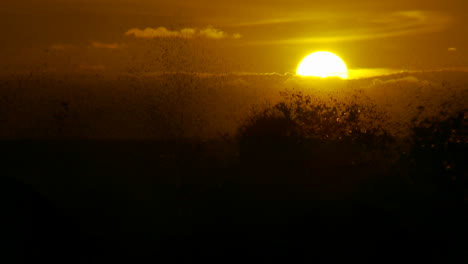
322 64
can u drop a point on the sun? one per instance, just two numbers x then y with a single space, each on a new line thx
323 64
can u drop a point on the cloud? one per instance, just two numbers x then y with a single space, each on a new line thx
214 33
187 33
101 45
402 80
371 72
94 44
369 26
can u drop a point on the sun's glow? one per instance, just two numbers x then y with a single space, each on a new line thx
323 64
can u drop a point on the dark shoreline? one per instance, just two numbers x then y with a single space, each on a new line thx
129 200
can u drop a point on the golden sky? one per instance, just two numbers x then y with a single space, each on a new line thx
232 35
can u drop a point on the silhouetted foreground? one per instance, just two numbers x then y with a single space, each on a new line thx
95 201
304 180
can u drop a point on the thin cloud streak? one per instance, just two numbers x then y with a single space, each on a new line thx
374 27
101 45
186 33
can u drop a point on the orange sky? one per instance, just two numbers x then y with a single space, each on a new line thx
231 35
